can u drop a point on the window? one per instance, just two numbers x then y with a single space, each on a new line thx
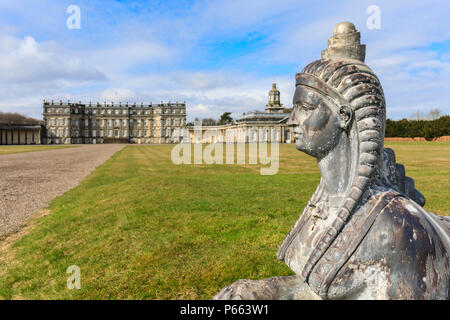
86 133
124 111
124 122
138 133
109 133
94 133
145 133
109 111
146 123
116 123
86 122
101 133
124 133
109 122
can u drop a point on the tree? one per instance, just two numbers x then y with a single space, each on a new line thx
418 115
209 122
434 114
17 118
225 118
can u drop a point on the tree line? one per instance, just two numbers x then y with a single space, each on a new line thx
225 118
17 118
428 129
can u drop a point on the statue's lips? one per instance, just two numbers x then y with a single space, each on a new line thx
297 133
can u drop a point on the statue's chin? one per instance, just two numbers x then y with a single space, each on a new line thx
301 147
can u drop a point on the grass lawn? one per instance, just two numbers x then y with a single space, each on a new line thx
4 149
140 227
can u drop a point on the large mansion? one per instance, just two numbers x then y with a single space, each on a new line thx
66 123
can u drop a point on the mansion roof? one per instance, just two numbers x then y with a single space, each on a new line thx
258 116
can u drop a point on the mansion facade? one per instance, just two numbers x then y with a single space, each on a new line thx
67 123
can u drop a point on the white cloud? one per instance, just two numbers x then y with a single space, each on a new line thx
124 55
120 94
25 60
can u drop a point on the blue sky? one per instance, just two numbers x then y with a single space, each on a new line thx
216 55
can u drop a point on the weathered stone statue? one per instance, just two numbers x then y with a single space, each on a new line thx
364 233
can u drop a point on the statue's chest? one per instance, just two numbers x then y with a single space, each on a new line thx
315 224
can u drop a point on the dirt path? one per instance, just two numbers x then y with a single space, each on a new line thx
28 181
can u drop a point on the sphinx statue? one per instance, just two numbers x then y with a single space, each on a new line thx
364 234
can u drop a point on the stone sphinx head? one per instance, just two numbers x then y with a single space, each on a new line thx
335 97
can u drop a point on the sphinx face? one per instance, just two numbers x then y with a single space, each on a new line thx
317 124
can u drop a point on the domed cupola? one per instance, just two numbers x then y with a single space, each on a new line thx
274 105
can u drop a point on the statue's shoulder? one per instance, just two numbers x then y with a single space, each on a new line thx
398 224
403 238
403 224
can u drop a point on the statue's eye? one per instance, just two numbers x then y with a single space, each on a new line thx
305 106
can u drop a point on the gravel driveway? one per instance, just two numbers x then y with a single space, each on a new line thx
28 181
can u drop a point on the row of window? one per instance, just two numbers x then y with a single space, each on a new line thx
109 133
109 122
94 140
112 111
